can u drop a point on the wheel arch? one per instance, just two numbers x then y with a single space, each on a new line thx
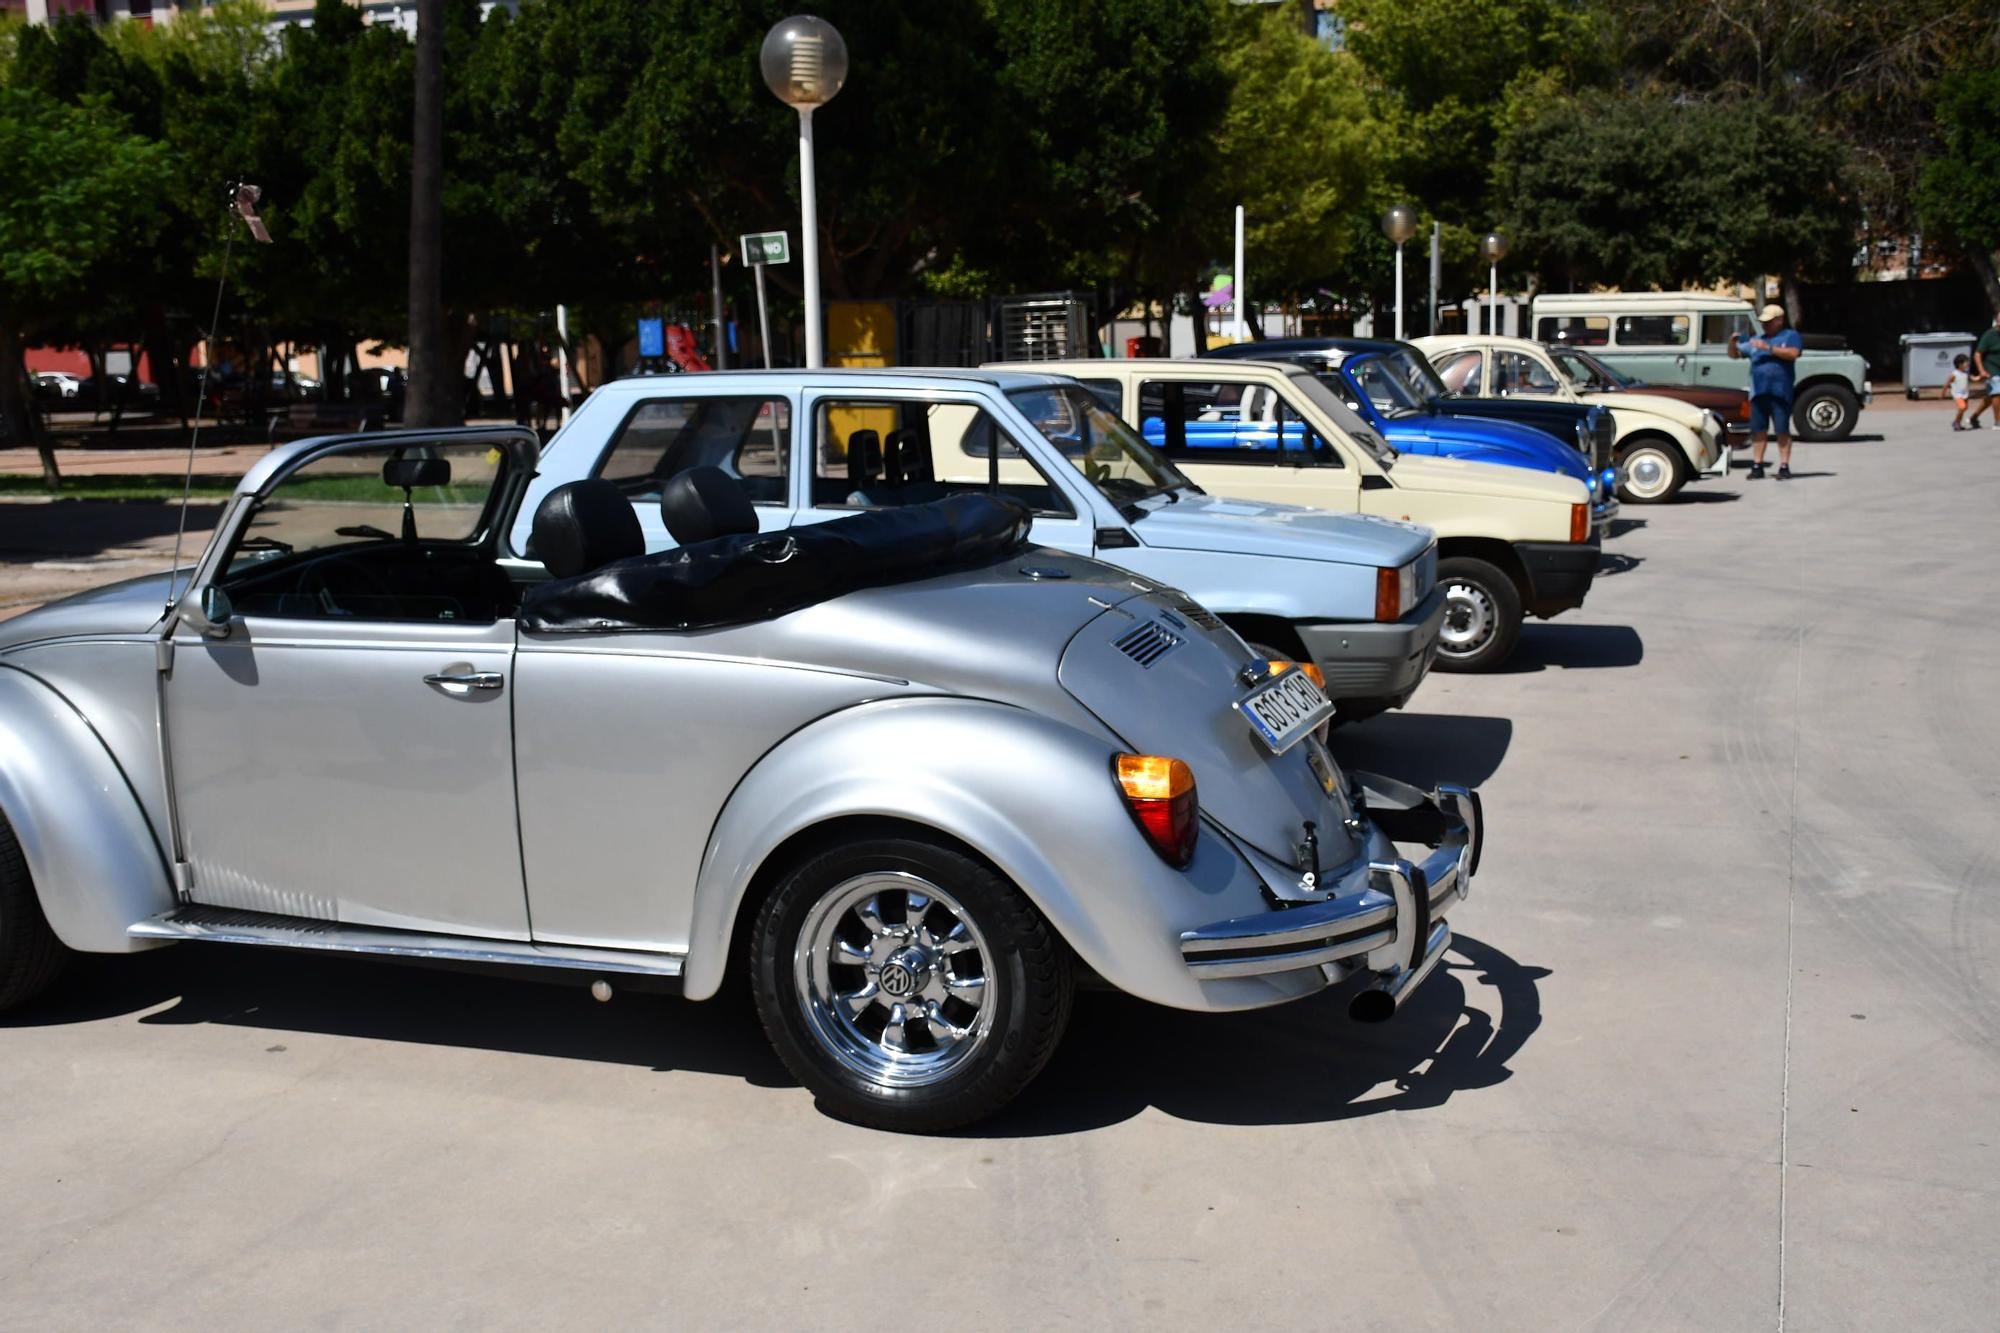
1493 551
91 852
953 769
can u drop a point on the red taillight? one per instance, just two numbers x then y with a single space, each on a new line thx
1579 523
1388 595
1743 409
1160 794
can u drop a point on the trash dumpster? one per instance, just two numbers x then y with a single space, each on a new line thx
1927 359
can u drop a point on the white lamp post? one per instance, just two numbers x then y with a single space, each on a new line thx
1399 224
1493 248
804 62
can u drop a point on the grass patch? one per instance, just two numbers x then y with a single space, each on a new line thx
117 486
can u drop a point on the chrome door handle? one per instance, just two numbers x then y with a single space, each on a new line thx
466 680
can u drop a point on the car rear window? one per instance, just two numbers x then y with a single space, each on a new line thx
1653 330
749 438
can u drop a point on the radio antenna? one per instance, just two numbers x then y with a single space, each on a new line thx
243 198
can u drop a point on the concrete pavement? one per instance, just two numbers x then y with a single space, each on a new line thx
1721 1039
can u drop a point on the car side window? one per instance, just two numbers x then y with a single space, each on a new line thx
1108 392
748 437
1576 330
1460 373
1226 421
1715 329
876 454
383 532
1517 372
1652 330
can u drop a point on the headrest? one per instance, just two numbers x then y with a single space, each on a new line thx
413 472
864 457
906 457
585 525
705 502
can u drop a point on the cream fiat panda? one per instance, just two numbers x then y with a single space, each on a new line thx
1512 542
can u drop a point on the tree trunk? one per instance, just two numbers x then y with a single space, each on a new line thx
1982 264
436 395
17 408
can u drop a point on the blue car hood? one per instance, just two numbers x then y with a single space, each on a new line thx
1484 440
1253 527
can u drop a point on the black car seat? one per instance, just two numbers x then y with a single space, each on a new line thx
906 467
581 526
866 486
706 502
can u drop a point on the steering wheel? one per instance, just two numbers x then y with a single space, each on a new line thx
361 581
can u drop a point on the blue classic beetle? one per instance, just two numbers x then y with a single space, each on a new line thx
1393 394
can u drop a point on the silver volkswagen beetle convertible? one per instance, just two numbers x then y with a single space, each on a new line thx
912 776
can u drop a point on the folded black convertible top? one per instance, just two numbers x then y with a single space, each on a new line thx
738 579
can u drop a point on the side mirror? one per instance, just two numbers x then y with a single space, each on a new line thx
216 615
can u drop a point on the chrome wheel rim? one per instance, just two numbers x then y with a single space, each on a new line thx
1647 474
892 977
1824 414
1469 619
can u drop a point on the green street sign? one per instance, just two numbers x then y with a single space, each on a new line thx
766 247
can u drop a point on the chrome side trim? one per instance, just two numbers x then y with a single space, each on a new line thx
226 926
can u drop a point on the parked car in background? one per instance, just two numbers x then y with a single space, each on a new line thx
116 391
1592 375
1392 393
1354 598
909 775
55 386
1682 338
1512 542
1410 404
1660 444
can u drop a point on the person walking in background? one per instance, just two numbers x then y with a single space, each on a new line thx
1985 365
1772 376
1961 391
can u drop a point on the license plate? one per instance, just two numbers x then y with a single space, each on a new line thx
1285 709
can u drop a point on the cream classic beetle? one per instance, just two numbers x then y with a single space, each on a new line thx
912 774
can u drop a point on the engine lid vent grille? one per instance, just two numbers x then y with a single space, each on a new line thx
1200 615
1147 643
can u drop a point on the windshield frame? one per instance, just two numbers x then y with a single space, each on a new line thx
1618 379
1166 478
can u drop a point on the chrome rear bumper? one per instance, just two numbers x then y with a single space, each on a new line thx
1395 911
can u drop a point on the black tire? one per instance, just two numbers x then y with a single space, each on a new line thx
30 954
1482 615
1825 412
1651 470
1028 983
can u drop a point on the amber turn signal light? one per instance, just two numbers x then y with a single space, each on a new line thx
1388 595
1579 523
1313 673
1159 793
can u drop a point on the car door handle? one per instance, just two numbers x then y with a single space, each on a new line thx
460 681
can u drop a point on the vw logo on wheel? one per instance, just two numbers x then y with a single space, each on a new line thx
897 980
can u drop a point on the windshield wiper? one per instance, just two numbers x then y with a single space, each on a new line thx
264 544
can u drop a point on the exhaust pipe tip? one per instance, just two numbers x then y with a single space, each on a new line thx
1372 1006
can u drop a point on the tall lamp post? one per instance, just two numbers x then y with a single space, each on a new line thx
1493 248
804 62
1399 224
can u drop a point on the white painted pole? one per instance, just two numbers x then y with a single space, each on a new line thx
1493 299
562 359
1432 326
1241 290
1399 291
763 318
809 247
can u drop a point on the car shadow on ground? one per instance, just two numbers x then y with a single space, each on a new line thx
1424 749
1616 562
279 991
1621 526
1695 496
1575 648
1300 1063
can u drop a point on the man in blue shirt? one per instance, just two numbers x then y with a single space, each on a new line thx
1771 379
